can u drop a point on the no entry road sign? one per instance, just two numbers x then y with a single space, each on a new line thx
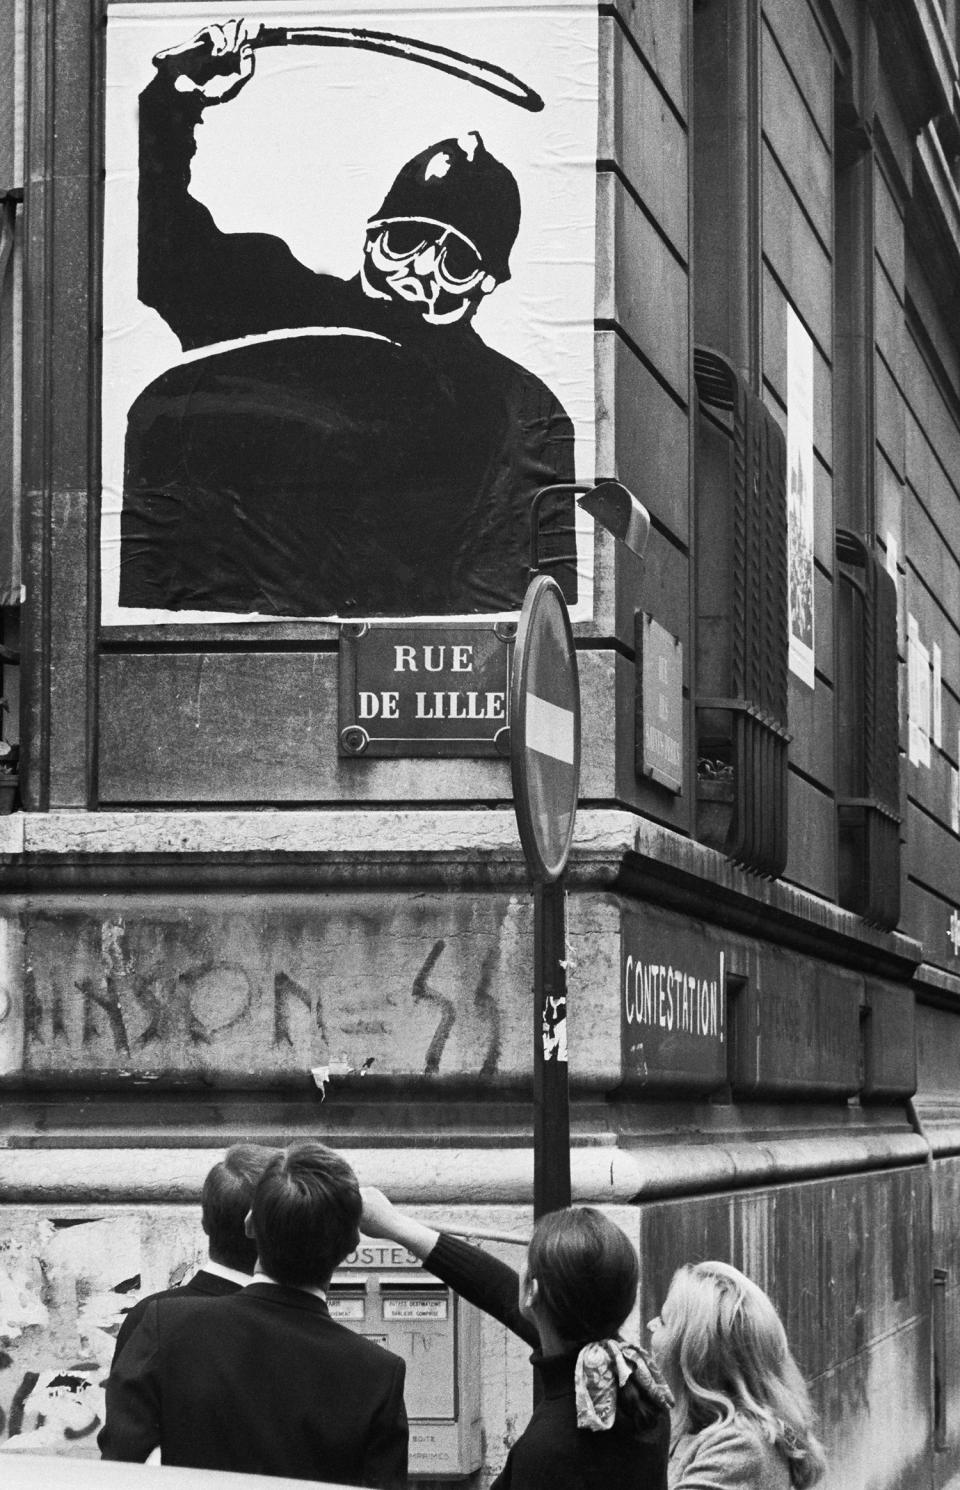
545 730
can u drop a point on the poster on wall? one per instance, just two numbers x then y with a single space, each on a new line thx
800 479
919 702
348 278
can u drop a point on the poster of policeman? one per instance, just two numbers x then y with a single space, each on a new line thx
348 308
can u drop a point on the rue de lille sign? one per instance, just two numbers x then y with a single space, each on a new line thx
425 690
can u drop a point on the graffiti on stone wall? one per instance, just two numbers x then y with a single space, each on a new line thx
266 992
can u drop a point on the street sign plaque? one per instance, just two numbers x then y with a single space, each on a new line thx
409 689
545 730
659 729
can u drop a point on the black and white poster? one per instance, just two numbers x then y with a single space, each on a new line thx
800 498
348 308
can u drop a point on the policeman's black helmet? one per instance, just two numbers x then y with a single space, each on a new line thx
460 183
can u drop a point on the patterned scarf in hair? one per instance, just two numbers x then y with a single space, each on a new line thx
603 1367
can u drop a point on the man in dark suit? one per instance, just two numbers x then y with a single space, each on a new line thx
225 1202
264 1381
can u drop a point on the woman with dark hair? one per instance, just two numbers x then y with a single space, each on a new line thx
742 1419
602 1421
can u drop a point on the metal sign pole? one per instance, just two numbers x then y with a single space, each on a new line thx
545 771
545 761
551 1094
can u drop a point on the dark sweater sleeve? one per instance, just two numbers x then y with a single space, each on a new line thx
482 1280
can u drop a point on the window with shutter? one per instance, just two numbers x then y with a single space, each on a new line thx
12 44
741 705
868 799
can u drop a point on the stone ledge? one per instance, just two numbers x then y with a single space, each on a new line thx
463 1176
601 1174
341 833
928 976
271 848
941 1130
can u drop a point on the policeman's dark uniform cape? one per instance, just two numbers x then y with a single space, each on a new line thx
358 461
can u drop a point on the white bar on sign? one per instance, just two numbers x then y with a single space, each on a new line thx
549 729
414 1309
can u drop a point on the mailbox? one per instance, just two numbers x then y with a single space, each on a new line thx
384 1292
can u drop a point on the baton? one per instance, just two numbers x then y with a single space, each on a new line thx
484 74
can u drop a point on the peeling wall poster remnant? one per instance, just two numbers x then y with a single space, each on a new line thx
66 1282
348 307
800 497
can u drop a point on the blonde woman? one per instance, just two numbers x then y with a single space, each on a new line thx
742 1418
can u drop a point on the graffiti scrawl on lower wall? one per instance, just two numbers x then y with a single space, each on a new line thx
416 987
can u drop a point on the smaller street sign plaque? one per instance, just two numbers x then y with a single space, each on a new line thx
659 739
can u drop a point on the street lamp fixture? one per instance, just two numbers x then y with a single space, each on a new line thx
617 510
609 503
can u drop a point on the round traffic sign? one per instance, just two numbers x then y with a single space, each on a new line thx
545 729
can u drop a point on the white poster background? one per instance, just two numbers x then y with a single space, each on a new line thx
918 697
800 478
307 151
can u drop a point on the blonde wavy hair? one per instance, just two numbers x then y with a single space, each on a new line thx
724 1351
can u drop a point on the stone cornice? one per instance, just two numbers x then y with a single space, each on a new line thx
601 1174
272 850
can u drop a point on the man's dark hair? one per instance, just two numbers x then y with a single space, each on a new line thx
306 1215
226 1198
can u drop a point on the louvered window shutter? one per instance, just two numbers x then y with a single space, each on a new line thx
742 734
868 802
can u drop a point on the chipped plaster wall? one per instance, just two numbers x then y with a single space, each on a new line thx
66 1278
